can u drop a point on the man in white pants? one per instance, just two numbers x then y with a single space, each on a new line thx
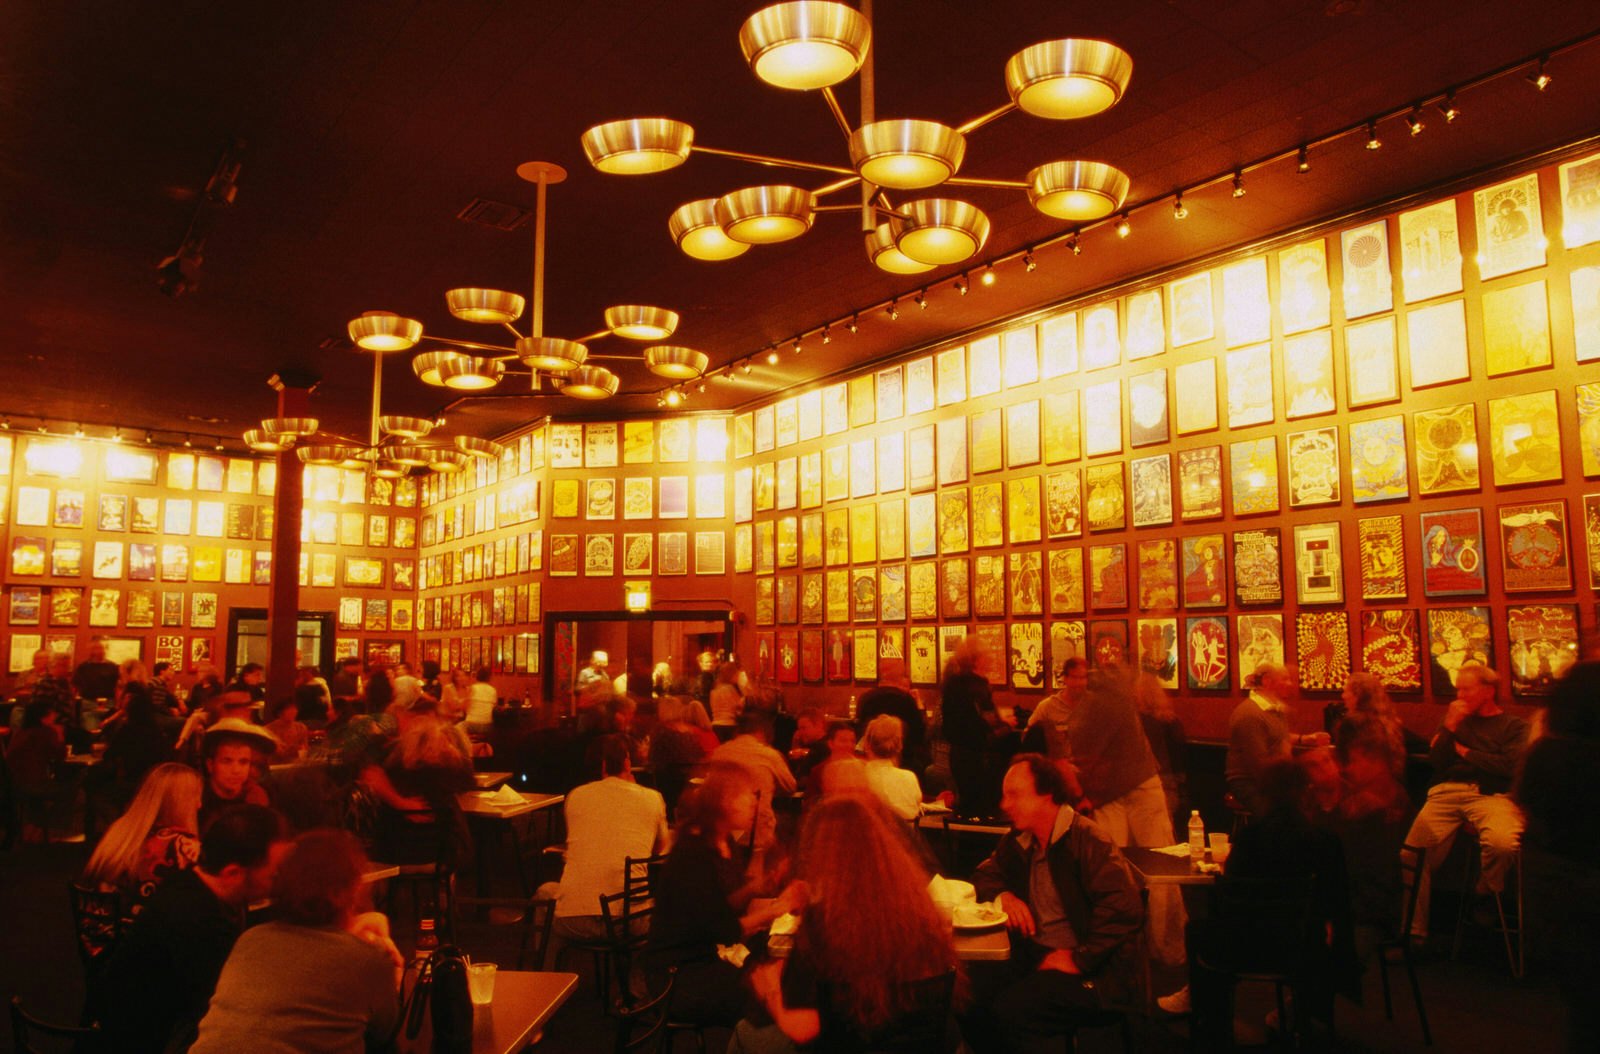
1474 756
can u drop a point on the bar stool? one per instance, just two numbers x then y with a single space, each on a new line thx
1511 931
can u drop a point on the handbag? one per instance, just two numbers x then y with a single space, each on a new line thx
441 991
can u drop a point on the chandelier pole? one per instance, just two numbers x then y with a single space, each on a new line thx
377 398
869 114
538 257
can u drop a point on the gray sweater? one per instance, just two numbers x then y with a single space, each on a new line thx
1255 738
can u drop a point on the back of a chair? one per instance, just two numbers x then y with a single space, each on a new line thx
1412 860
650 1015
97 922
27 1030
1269 922
923 1027
638 874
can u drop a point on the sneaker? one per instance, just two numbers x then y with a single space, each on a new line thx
1176 1004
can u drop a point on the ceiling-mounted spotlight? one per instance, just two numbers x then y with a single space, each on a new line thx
1124 227
1373 142
77 432
1303 160
797 347
1238 182
673 398
1540 77
893 311
746 367
772 356
1414 120
701 387
1448 109
921 299
826 338
5 423
962 285
179 274
1180 211
1074 244
988 277
149 437
218 447
1028 263
854 324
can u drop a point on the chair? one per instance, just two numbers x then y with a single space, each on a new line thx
1511 934
538 914
1269 928
97 921
650 1015
926 1026
1412 861
422 843
26 1030
639 872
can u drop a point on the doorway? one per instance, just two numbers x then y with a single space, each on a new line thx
248 639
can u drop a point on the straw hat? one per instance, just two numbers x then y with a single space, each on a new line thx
254 735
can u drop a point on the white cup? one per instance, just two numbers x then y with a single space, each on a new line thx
1219 848
480 983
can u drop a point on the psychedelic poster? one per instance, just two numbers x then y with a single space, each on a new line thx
1391 648
1200 482
993 640
1322 649
839 662
1260 641
922 659
1206 650
1456 637
1158 580
1205 572
1525 439
1381 540
1543 644
1319 564
1108 642
1067 641
1106 503
1027 583
1152 490
1446 449
1027 655
1254 464
1158 649
1065 569
1533 547
1313 467
1452 553
1591 533
1258 566
1108 576
1378 460
788 656
989 585
1063 504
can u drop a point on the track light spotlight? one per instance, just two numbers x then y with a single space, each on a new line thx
1028 264
1540 77
962 285
1303 160
853 325
988 277
1414 120
77 432
826 339
746 367
1373 142
1238 182
893 311
797 347
772 356
1124 227
1180 211
1448 109
921 299
1072 243
116 435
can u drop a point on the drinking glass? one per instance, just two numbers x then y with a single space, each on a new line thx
480 983
1219 848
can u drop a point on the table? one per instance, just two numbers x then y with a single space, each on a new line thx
481 810
1160 869
992 945
523 1002
479 803
951 826
490 780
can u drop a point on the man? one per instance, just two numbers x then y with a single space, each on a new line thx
163 689
594 674
751 748
95 678
1073 907
158 979
607 821
347 679
1474 757
841 743
892 696
229 751
1258 732
252 680
809 748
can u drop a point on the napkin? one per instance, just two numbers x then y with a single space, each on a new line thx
733 953
951 891
506 795
1181 849
788 922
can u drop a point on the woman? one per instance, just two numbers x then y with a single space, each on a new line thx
676 749
896 787
869 936
430 763
702 901
159 835
379 692
727 700
1367 703
453 697
293 737
481 701
971 724
323 977
311 695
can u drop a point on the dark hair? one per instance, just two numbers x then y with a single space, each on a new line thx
430 670
160 668
613 750
320 878
240 834
1073 663
283 704
34 713
703 809
1047 779
754 722
483 673
811 713
349 660
839 724
1575 703
249 668
1283 786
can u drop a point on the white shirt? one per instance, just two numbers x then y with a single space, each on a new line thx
896 786
481 698
607 821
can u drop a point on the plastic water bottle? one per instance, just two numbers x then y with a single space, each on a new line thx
1197 837
427 940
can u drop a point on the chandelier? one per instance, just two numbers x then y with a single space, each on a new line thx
812 45
471 366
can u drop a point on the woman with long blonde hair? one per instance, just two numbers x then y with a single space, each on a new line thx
869 936
158 835
1367 705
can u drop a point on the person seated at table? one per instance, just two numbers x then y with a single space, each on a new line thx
481 701
252 680
453 693
1258 732
809 747
229 751
1281 844
752 748
207 685
96 676
869 935
608 821
895 787
677 748
703 902
1474 754
1073 907
274 995
841 743
31 755
38 671
158 979
292 736
892 696
56 689
164 691
158 836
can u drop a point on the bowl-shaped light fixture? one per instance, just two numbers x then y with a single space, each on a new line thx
443 459
407 455
591 382
766 215
806 45
641 322
551 354
258 440
881 251
405 427
678 363
328 454
906 154
1077 190
939 230
469 373
476 447
385 331
1074 77
384 468
428 365
695 230
638 145
485 305
290 428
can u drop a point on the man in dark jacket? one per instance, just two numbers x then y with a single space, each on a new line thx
1073 907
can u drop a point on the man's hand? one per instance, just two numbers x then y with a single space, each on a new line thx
1459 711
1018 917
1461 749
1061 960
373 927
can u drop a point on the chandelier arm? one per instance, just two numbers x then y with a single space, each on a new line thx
587 337
776 162
500 352
838 112
982 119
512 330
615 357
979 181
835 186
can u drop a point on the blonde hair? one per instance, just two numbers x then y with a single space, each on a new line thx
885 737
168 797
426 743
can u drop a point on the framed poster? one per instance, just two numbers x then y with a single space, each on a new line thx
1108 577
1065 569
1158 650
954 534
812 669
1437 336
563 555
1452 553
1322 649
1058 345
1152 490
1147 334
1102 418
892 593
1543 643
1061 429
1206 652
1108 642
1430 251
1378 462
923 590
66 558
1022 511
1147 408
1368 283
1200 482
1588 400
1381 541
1580 201
600 499
1446 449
1303 286
1510 226
863 408
1254 467
1157 588
1457 637
788 600
1391 648
922 655
1258 566
1068 640
1246 303
1196 384
989 585
25 606
952 376
1516 329
1022 434
1372 370
565 498
639 440
1319 566
1313 467
105 607
1192 320
955 588
27 556
1308 375
66 606
1260 642
1525 439
1019 349
1249 377
1027 655
1534 555
835 411
710 553
1102 338
1106 504
672 553
1205 573
1063 504
1591 533
839 664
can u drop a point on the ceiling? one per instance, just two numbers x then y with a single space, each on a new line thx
369 124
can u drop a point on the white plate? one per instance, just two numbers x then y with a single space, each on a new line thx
973 925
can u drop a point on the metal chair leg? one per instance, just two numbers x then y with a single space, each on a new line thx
1383 975
1416 994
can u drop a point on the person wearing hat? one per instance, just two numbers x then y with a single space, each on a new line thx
229 754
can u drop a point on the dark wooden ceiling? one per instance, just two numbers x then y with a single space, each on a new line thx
369 124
